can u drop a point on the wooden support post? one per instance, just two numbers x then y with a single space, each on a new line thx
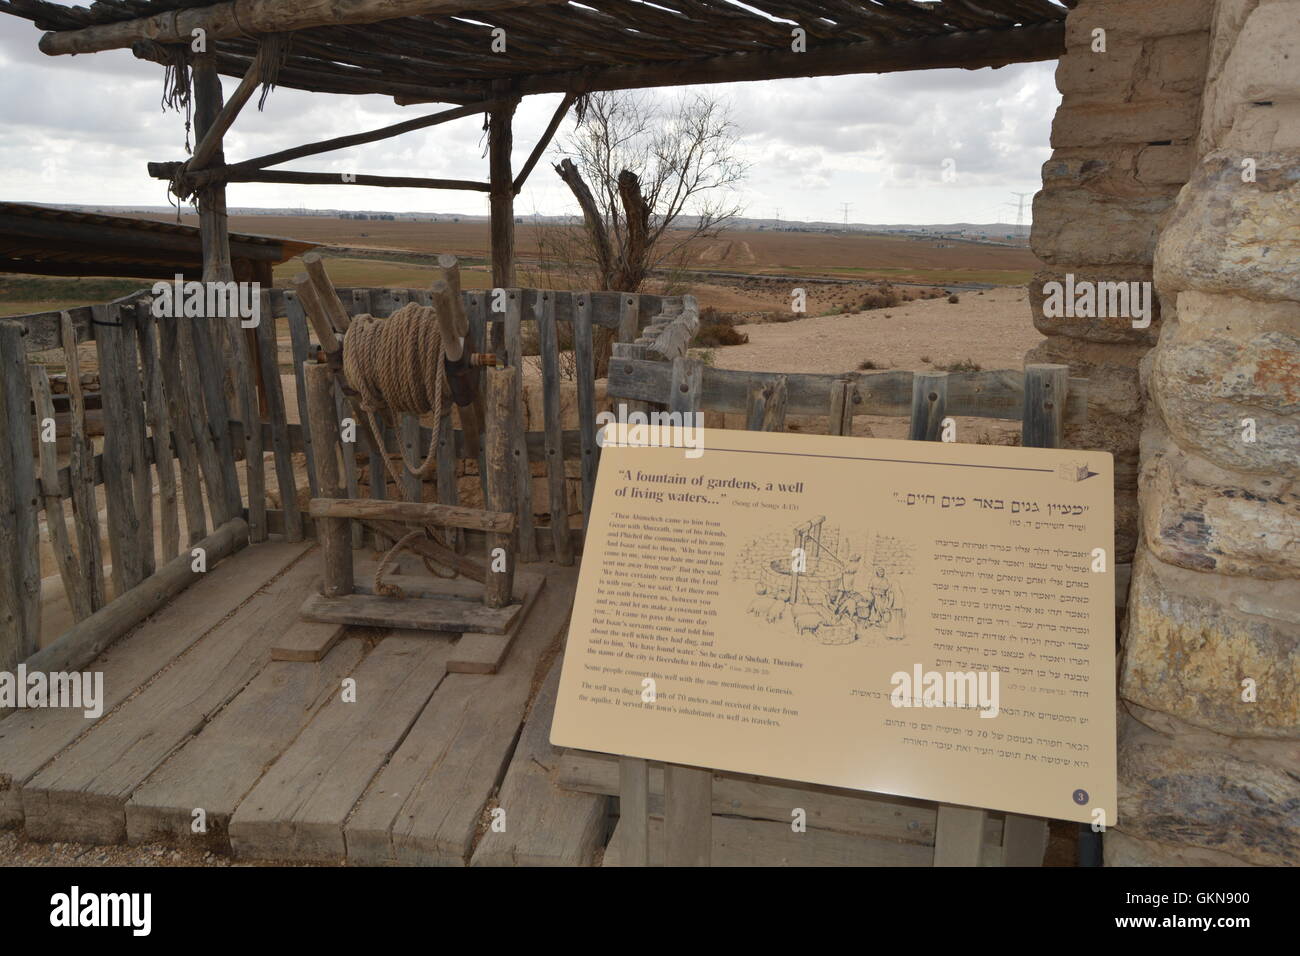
840 419
500 139
328 298
20 572
334 533
959 836
688 816
767 403
929 400
1024 839
448 270
634 810
959 833
311 304
1046 389
213 223
502 384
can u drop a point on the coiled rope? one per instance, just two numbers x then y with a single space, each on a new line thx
396 364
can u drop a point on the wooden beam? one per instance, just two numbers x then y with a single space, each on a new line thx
210 145
413 512
87 639
359 139
98 237
502 196
234 174
970 50
545 141
238 18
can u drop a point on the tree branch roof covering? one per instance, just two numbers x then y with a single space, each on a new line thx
442 50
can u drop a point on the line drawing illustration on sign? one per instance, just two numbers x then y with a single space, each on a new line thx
814 581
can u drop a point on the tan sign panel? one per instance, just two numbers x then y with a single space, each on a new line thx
916 618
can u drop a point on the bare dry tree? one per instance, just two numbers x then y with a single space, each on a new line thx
652 177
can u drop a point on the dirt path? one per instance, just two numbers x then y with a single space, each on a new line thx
991 329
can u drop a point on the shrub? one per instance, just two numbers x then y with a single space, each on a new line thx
965 365
717 329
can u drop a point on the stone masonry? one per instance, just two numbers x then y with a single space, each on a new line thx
1209 762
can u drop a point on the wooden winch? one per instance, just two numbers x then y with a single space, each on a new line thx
480 596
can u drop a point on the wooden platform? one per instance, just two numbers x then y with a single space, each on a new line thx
346 744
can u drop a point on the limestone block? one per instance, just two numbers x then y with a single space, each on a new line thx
1114 418
1192 640
1198 516
1099 77
1173 118
1094 329
1205 800
1260 128
1230 236
1126 20
1262 66
1124 849
1219 385
1077 227
1120 170
1173 64
1164 165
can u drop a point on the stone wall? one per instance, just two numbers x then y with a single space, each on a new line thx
1210 668
1124 142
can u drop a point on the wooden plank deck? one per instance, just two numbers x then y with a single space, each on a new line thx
367 750
425 806
542 825
30 739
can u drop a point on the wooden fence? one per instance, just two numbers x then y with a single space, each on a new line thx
175 395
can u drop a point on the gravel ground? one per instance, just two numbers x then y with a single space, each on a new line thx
15 850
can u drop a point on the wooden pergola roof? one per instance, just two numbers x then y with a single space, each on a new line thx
41 240
441 50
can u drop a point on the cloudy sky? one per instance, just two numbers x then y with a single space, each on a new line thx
80 130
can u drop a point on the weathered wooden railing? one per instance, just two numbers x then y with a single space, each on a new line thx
177 392
1043 397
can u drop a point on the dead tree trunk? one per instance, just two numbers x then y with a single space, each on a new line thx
593 221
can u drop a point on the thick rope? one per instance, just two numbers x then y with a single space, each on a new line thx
396 363
392 590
